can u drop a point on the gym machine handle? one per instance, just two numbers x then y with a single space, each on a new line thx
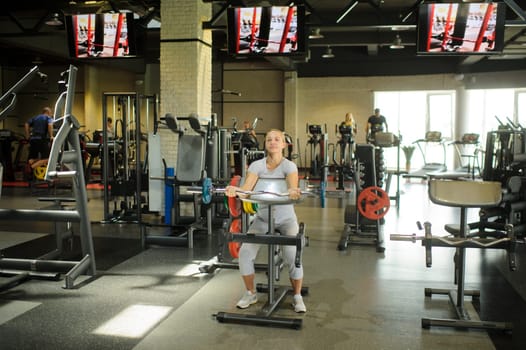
427 243
17 87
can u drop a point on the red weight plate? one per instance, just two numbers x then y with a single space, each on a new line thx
373 203
233 247
234 203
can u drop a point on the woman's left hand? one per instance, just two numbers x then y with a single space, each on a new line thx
294 193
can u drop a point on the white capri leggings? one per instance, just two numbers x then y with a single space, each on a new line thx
249 251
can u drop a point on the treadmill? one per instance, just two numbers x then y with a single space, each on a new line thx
432 139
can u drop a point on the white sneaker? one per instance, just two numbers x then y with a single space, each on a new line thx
298 304
247 300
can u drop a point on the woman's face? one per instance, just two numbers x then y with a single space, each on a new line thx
274 141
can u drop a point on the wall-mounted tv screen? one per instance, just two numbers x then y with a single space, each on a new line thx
101 35
267 30
461 28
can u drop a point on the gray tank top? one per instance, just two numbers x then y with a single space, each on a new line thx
280 212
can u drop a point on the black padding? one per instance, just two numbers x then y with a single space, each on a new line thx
171 121
194 122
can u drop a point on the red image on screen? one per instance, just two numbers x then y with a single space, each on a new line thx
100 35
264 30
461 28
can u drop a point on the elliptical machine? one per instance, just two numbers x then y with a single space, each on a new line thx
344 165
318 149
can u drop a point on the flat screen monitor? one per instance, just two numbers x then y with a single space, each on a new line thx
101 35
461 28
266 31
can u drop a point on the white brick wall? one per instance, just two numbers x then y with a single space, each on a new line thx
168 146
186 66
186 58
182 19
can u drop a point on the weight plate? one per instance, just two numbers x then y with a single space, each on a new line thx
39 172
234 203
373 203
207 190
233 247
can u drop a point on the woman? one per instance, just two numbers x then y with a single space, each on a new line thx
350 122
274 165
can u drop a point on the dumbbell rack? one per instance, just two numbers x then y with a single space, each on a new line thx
359 229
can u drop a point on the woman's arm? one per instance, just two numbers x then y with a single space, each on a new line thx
250 182
293 185
248 185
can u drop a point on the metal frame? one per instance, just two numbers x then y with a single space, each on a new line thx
186 236
453 193
275 293
65 153
131 114
464 195
357 229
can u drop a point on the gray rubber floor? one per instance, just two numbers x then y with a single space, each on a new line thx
358 298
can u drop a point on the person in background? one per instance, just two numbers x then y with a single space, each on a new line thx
248 128
249 139
274 165
375 123
109 128
350 122
39 132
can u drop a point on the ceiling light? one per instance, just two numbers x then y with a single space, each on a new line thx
54 20
397 43
316 34
328 53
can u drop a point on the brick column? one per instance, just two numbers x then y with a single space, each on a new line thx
186 60
290 109
185 66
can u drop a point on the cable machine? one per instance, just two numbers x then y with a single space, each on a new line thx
123 164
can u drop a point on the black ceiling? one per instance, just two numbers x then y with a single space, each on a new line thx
359 40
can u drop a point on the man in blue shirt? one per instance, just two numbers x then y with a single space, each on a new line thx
41 127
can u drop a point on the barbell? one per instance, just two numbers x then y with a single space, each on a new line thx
373 202
508 242
207 189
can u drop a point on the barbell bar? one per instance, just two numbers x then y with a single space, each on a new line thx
207 189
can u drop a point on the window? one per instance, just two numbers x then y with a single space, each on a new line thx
411 114
440 112
489 108
521 107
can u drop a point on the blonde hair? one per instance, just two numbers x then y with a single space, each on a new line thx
281 132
